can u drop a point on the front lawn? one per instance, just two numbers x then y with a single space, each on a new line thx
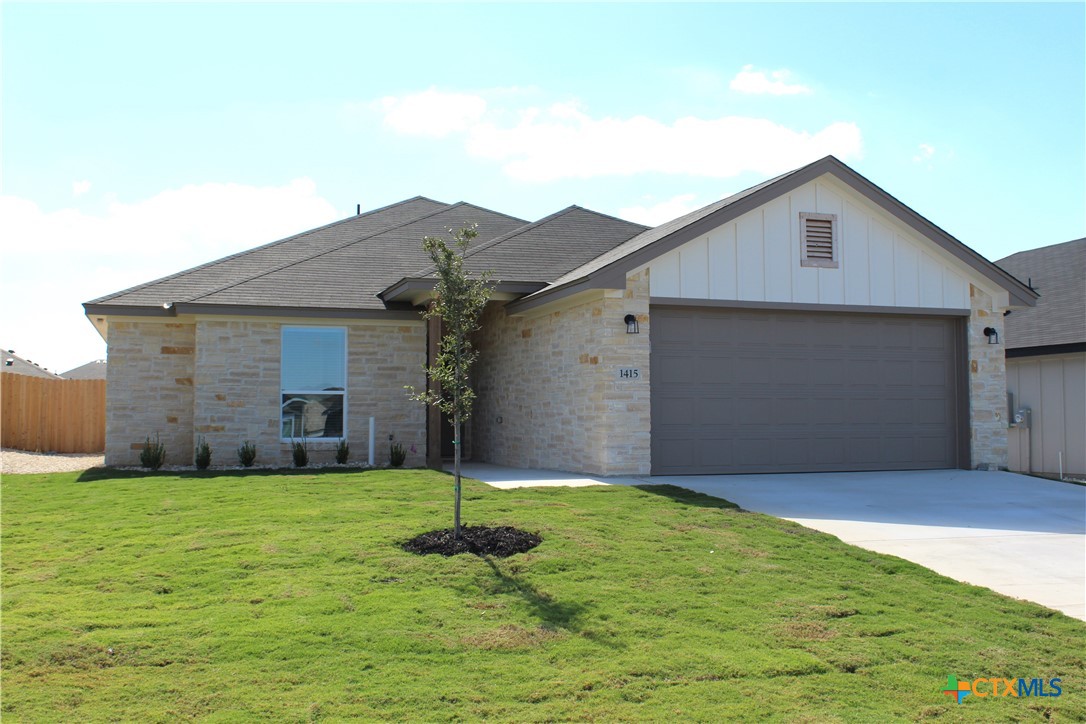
287 595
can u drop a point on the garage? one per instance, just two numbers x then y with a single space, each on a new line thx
741 390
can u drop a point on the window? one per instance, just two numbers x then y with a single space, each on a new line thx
818 240
313 383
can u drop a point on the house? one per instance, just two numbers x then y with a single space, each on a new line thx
812 322
1046 360
14 364
93 370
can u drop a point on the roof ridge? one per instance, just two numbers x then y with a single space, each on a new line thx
611 216
340 247
429 269
244 252
490 211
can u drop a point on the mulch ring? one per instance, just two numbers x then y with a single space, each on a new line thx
500 542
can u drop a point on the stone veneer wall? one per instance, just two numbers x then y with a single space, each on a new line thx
149 390
553 382
987 384
220 380
238 394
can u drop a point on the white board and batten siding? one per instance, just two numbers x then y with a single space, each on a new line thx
1053 387
756 258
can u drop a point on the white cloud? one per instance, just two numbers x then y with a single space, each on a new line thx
564 141
775 83
924 153
657 214
432 113
80 187
56 260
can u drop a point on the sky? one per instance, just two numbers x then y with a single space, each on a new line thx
140 139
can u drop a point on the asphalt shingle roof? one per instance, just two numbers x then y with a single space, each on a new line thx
1058 273
14 364
342 265
547 249
93 370
352 275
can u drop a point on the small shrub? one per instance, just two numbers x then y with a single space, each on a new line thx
203 455
343 451
300 453
247 454
397 453
153 454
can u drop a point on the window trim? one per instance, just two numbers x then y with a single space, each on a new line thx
284 391
834 262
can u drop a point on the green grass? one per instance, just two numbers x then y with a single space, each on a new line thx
234 597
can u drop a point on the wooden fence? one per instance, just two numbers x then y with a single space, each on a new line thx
46 415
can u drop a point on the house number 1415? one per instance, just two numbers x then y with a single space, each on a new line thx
629 373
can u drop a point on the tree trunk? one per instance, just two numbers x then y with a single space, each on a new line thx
456 474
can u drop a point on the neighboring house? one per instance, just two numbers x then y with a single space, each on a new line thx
93 370
14 364
1046 360
812 322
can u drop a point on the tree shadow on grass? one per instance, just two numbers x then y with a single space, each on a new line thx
98 474
550 613
690 497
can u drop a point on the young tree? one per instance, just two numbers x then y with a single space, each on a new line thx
459 298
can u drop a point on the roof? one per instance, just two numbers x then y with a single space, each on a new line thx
14 364
373 264
341 266
1058 273
547 249
93 370
609 269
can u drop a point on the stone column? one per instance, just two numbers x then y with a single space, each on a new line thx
987 384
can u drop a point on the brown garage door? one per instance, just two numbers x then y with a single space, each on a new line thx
737 391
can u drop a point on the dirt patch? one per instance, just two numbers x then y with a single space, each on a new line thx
481 540
512 637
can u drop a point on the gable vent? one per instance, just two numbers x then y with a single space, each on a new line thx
818 240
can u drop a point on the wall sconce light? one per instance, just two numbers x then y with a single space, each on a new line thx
992 334
631 324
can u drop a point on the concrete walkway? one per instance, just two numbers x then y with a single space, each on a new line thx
1021 536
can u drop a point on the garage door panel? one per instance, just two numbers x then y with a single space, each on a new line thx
787 370
751 411
933 373
712 411
932 449
794 410
932 412
760 391
672 411
829 451
752 370
713 368
717 453
898 449
863 373
672 368
932 336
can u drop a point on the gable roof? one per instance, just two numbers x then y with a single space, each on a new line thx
1058 273
16 365
373 264
93 370
609 270
335 269
531 256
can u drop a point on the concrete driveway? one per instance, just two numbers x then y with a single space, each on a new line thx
1021 536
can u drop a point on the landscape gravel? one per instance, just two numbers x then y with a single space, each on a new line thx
21 461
